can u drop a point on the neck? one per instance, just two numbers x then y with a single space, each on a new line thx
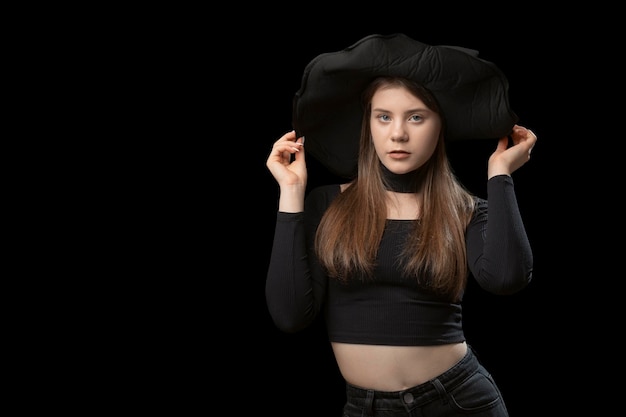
400 183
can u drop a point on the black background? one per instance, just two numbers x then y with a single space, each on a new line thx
177 107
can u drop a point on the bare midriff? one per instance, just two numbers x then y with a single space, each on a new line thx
395 368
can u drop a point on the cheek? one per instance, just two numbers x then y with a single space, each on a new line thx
378 140
424 148
432 145
378 148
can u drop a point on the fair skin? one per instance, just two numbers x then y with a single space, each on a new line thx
404 132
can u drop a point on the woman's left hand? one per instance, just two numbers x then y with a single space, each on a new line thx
505 160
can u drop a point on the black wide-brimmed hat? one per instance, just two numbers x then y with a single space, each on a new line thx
327 109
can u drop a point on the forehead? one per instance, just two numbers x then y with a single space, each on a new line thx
395 96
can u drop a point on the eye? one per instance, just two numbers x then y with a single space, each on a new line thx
415 118
383 117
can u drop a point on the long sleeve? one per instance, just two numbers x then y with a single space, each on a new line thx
295 288
499 252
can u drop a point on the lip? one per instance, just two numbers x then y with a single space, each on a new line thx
398 154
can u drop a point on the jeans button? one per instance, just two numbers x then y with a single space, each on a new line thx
408 398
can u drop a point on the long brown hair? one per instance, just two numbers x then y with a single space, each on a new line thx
351 229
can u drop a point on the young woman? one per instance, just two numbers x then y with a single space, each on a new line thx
386 256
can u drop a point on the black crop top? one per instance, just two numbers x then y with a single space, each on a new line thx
391 310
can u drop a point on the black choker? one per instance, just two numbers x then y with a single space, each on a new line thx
400 183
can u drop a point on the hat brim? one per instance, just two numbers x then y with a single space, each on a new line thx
327 110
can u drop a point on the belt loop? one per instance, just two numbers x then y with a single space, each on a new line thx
368 407
440 390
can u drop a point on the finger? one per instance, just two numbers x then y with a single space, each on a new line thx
288 147
288 137
533 138
283 151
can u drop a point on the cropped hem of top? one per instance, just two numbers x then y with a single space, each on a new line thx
392 309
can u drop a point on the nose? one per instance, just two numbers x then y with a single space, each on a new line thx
398 133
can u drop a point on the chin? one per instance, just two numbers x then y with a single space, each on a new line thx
400 168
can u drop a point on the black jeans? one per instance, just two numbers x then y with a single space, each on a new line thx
466 389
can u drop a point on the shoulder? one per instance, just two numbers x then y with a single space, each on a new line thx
479 203
480 209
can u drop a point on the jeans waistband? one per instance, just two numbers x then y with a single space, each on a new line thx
419 394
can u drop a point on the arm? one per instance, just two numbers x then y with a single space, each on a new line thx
499 253
293 297
288 288
295 288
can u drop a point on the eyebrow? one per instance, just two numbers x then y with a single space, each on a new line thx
415 110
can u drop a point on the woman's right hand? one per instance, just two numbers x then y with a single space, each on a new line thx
286 172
